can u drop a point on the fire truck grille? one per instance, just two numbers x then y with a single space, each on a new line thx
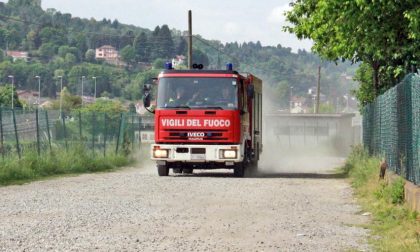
204 134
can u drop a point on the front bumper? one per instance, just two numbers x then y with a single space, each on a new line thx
197 153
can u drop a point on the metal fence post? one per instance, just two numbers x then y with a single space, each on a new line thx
48 128
140 121
16 133
119 133
132 132
80 125
64 130
1 134
105 133
93 132
38 149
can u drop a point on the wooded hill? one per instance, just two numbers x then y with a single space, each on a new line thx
59 44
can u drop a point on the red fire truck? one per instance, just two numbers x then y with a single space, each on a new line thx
206 119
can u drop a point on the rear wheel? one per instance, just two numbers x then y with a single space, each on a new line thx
163 170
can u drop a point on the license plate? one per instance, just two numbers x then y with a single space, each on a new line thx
198 156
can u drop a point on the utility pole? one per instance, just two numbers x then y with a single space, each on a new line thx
189 39
318 89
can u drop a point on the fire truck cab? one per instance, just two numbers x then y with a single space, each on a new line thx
206 119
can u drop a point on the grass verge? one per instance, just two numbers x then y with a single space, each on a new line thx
393 227
76 160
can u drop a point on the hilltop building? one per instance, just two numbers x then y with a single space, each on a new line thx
109 54
16 55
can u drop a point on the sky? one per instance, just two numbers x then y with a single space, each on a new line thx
223 20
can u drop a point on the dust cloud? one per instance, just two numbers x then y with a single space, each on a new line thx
279 157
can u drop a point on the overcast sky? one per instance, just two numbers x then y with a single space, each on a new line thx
224 20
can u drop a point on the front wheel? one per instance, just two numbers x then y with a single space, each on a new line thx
187 171
163 170
239 170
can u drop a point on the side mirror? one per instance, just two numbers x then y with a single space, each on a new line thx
250 91
146 100
147 88
146 95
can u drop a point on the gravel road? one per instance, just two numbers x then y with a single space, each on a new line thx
135 210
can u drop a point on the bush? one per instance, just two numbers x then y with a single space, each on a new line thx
59 161
394 224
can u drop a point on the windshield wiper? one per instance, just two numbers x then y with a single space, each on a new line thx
179 107
213 107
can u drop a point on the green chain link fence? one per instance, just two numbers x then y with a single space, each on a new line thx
29 131
391 128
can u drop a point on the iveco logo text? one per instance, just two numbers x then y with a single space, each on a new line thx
196 134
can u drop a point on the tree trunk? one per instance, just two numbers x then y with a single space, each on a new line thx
375 66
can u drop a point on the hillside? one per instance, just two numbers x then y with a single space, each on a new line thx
59 44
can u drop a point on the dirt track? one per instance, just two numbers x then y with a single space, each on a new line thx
135 210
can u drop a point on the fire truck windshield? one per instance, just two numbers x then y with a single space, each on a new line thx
197 93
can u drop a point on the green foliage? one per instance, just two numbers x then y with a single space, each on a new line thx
128 54
69 101
90 55
76 160
159 63
104 106
67 44
365 93
47 51
200 57
141 48
379 33
394 227
6 97
326 108
393 192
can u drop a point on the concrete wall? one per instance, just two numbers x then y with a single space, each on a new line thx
334 133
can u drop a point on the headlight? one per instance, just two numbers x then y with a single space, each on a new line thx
160 153
228 154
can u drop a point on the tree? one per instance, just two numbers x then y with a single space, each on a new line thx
141 48
105 106
90 55
53 35
70 59
69 101
128 54
166 43
379 33
47 51
158 63
182 47
155 51
20 3
200 57
6 97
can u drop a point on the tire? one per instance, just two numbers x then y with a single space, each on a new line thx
177 170
187 171
163 170
239 170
